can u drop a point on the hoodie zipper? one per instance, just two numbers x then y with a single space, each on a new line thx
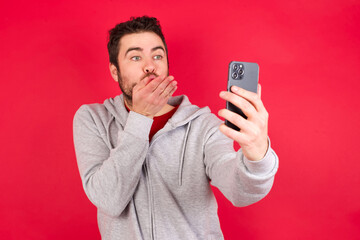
182 157
147 172
151 209
148 176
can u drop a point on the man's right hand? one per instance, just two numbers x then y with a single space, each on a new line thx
151 95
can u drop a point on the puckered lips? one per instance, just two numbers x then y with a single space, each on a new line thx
152 77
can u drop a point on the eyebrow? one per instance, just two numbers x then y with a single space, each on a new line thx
140 49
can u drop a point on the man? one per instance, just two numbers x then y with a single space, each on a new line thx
146 158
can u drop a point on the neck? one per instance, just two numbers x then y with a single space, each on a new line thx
165 109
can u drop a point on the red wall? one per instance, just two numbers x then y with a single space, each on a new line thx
54 58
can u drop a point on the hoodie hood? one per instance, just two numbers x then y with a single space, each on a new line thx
184 114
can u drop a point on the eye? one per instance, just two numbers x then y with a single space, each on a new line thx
158 57
135 58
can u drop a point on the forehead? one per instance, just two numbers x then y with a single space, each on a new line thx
144 40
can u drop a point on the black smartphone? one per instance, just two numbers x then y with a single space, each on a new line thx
246 76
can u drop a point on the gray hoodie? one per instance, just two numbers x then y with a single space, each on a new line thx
161 189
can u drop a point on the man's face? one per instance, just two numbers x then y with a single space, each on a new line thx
140 55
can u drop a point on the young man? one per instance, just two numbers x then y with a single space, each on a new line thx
147 159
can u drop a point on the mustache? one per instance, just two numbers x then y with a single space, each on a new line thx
149 74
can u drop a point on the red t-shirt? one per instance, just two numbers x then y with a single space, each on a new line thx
160 121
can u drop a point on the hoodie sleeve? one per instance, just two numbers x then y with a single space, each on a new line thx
110 176
243 182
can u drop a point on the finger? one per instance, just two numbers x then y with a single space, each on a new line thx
248 109
169 88
259 90
231 133
142 83
154 84
171 92
234 118
148 84
163 85
240 137
253 98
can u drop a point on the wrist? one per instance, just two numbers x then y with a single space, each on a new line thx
146 114
258 153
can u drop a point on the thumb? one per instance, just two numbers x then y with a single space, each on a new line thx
259 90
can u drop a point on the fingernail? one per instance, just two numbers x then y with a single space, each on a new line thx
235 88
222 94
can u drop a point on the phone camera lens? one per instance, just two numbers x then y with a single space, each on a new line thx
241 72
234 75
235 66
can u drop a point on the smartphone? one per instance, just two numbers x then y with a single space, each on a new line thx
246 76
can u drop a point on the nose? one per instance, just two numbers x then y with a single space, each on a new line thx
149 67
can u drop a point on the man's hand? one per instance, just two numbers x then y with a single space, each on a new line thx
253 134
151 95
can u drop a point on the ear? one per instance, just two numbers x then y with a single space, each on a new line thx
113 72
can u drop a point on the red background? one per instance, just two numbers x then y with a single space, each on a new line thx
54 58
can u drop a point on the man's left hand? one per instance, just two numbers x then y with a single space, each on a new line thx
253 134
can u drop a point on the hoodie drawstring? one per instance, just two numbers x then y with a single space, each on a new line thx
183 153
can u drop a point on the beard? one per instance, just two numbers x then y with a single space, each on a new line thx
128 90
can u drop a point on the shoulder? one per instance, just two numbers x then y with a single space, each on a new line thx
93 110
96 113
